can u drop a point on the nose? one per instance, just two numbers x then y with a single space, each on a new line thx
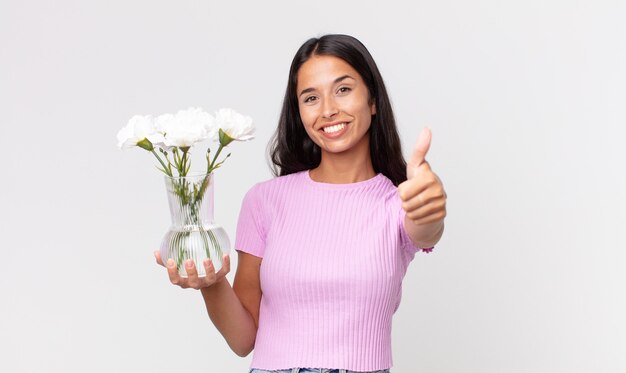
329 108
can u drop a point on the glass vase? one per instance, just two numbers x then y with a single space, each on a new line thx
193 233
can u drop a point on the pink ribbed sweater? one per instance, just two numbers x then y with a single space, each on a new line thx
334 256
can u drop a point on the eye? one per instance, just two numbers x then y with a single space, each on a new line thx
310 99
344 89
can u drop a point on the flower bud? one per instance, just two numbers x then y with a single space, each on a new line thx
145 144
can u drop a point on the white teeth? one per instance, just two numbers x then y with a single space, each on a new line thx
335 128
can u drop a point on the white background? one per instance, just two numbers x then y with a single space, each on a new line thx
527 104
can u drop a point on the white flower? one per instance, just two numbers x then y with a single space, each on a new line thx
137 130
179 132
234 125
186 128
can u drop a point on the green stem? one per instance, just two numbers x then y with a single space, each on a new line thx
219 164
179 250
216 244
219 150
169 164
207 249
165 169
183 169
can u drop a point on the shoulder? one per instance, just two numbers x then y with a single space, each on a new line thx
277 185
279 181
388 190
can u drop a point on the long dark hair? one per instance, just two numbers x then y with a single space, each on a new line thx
291 148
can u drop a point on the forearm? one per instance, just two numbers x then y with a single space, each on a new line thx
424 235
230 317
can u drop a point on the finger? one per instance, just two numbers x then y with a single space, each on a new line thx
413 186
172 271
414 203
431 218
225 267
209 268
434 207
157 256
421 147
427 195
192 274
206 263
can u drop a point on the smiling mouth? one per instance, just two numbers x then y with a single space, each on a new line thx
334 128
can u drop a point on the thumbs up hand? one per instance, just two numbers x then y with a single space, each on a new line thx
422 194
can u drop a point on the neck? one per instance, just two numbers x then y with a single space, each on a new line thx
344 168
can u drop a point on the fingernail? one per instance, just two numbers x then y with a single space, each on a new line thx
170 262
189 263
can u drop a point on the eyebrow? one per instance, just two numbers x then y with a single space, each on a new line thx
310 89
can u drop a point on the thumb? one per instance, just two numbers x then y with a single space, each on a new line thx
421 148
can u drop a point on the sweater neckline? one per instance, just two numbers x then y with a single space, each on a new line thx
346 186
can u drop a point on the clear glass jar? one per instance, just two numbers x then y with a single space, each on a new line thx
193 233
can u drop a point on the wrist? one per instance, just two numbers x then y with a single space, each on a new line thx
424 235
214 287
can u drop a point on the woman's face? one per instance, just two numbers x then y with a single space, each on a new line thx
334 104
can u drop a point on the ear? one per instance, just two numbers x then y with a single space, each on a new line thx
373 107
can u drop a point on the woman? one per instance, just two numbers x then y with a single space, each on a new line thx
323 247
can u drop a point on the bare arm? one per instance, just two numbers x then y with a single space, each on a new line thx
425 235
423 197
425 204
233 310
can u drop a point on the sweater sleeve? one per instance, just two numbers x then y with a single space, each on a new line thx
251 226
